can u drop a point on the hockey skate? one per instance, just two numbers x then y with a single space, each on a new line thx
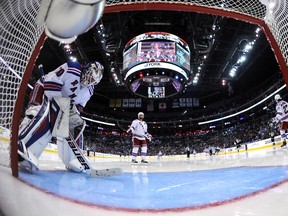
134 161
27 166
27 161
283 144
144 161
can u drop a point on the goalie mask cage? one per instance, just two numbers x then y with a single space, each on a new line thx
21 41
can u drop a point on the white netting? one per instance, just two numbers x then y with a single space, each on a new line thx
250 7
276 18
19 35
272 12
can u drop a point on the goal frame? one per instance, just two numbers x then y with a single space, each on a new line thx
19 105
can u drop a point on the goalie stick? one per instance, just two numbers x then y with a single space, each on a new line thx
87 166
41 71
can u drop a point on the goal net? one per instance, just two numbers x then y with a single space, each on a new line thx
19 36
21 40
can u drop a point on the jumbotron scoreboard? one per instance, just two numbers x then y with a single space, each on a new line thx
156 65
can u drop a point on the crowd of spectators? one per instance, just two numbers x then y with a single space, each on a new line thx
250 130
121 144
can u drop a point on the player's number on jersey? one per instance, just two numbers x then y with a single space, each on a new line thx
60 72
285 108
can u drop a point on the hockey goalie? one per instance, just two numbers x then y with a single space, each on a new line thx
54 111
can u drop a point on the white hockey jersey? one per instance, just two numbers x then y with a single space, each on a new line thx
282 111
65 81
139 129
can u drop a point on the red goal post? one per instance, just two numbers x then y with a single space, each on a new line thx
21 41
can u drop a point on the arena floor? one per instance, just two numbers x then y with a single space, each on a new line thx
250 183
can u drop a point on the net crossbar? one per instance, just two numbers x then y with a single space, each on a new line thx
21 40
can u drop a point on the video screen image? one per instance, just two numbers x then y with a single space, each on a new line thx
129 57
156 92
156 51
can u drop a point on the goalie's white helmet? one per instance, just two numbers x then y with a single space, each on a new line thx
92 74
277 97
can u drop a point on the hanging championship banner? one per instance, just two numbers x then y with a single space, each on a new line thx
118 102
112 102
131 102
138 103
189 102
175 103
125 103
196 102
182 102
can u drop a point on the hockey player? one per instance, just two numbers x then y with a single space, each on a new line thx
54 111
238 143
281 117
139 132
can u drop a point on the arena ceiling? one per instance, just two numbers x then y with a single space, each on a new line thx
216 43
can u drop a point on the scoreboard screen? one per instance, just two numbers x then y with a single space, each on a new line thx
156 92
156 51
156 65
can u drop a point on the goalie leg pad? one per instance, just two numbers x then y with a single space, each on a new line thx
75 166
67 156
59 114
34 133
38 148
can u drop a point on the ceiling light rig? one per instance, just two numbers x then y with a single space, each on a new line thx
202 56
246 46
70 54
108 53
106 38
115 74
